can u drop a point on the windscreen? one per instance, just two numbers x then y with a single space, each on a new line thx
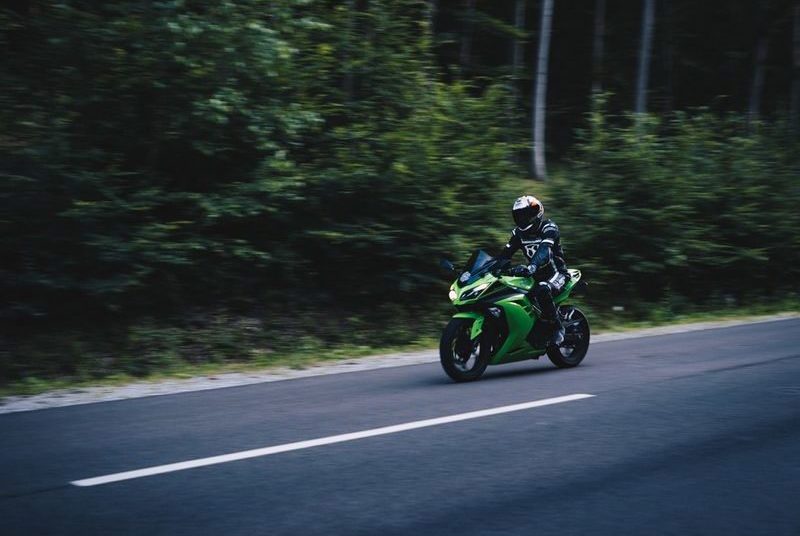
478 260
476 266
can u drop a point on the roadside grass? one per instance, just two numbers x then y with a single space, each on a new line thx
608 320
311 352
257 361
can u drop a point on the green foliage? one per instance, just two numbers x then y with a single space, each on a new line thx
694 206
203 182
158 149
149 137
269 158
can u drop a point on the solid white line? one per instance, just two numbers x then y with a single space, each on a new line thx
266 451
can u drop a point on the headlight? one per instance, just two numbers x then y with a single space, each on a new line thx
453 295
473 293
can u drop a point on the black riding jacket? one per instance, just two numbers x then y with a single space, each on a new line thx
541 246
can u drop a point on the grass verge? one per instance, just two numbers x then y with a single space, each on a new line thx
311 353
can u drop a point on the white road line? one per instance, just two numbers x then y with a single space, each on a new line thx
266 451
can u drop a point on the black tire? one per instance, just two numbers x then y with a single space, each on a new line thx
455 361
571 352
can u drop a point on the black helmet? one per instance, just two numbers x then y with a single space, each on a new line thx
527 212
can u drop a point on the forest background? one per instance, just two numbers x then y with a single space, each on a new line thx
190 182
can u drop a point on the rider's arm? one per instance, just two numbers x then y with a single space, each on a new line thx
545 251
511 247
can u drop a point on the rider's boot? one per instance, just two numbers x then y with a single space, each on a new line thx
546 332
558 332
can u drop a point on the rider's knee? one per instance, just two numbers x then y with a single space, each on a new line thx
542 289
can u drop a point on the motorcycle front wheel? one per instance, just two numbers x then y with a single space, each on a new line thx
462 359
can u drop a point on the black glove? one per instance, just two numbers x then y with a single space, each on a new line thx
522 271
501 267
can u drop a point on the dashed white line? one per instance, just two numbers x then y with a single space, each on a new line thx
276 449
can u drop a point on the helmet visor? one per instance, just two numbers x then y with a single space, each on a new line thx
525 216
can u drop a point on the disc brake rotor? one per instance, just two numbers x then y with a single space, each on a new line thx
466 353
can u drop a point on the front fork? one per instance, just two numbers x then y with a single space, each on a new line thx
477 324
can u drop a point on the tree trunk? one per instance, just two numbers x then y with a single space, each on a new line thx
669 54
644 56
517 58
517 51
519 24
598 45
795 101
465 56
758 79
540 92
757 87
433 8
347 81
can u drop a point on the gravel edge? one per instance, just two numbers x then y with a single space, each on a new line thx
92 395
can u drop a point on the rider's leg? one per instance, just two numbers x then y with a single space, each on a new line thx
544 295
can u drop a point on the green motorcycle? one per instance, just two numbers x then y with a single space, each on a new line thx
495 317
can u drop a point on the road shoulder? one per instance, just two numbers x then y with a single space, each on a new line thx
90 395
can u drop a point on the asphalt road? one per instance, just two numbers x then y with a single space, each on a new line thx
695 433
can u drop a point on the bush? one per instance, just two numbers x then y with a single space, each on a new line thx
697 206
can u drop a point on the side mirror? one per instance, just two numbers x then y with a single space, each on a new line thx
447 265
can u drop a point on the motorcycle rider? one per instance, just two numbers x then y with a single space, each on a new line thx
540 242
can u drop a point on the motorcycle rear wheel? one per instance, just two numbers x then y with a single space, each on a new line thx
571 352
462 359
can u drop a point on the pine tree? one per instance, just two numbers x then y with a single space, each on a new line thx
645 45
539 104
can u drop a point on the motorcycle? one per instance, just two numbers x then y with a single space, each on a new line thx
494 317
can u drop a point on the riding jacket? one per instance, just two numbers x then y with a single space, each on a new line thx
541 246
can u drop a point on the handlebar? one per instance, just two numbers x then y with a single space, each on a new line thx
501 268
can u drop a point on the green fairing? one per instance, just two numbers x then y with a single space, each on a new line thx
477 328
520 323
575 277
473 315
519 313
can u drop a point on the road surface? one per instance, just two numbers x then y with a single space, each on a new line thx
694 433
